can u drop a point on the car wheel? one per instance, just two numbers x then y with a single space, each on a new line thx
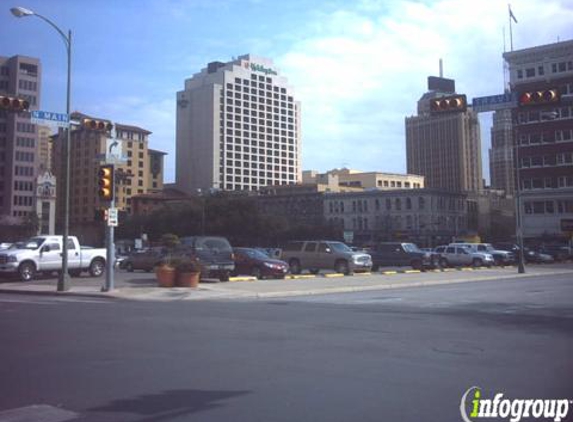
477 262
417 265
444 263
129 267
224 276
256 272
342 267
26 271
97 267
294 265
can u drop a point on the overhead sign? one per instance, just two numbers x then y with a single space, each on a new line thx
494 102
49 118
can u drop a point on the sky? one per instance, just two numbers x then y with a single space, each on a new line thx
358 67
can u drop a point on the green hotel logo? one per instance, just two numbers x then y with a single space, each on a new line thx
260 68
515 409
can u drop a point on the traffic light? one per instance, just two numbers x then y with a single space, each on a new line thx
14 104
454 103
97 125
544 96
105 182
101 214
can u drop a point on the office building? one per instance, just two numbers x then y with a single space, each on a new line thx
45 148
374 180
427 217
544 134
501 166
238 128
19 159
140 171
444 148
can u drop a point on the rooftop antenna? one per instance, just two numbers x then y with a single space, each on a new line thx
441 68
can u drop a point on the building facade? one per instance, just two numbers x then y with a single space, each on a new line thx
444 148
45 148
46 203
544 137
19 159
377 180
501 165
139 172
426 216
238 128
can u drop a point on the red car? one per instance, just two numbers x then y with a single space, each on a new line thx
249 261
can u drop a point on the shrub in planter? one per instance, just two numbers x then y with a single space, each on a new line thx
188 272
166 272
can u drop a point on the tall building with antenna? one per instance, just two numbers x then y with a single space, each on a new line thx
444 148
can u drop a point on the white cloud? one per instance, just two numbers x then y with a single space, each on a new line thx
360 70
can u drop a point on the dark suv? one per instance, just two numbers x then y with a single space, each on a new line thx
388 254
215 255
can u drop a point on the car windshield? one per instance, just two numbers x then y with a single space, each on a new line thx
255 253
340 247
33 243
411 247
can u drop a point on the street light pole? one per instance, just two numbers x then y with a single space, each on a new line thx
64 277
518 220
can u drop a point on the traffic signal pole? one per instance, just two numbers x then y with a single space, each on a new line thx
110 253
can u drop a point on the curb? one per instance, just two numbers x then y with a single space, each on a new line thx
355 289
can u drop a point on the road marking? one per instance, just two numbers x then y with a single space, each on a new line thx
37 412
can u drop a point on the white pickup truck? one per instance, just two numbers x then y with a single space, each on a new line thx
44 254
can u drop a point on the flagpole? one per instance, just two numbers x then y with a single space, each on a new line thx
510 29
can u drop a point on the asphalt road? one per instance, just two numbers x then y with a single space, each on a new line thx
403 354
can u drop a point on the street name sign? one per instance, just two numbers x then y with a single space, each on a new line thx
494 102
49 118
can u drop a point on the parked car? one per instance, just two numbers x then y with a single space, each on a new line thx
253 262
459 255
558 252
215 255
43 254
500 257
534 256
401 254
324 255
145 259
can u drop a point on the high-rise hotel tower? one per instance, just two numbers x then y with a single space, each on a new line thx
238 128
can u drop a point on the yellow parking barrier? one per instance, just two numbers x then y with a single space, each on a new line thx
234 279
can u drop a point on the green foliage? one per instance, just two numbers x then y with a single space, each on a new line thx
188 265
236 218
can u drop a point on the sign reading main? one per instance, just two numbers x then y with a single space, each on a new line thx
49 118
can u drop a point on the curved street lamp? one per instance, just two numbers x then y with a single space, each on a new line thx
64 278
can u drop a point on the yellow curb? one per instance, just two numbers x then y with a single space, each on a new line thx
448 270
233 279
389 272
412 271
333 275
369 273
298 277
467 269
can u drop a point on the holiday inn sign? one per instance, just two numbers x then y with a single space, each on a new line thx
260 68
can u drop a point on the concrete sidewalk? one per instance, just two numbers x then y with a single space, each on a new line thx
143 287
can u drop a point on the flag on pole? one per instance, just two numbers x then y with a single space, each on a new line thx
511 15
